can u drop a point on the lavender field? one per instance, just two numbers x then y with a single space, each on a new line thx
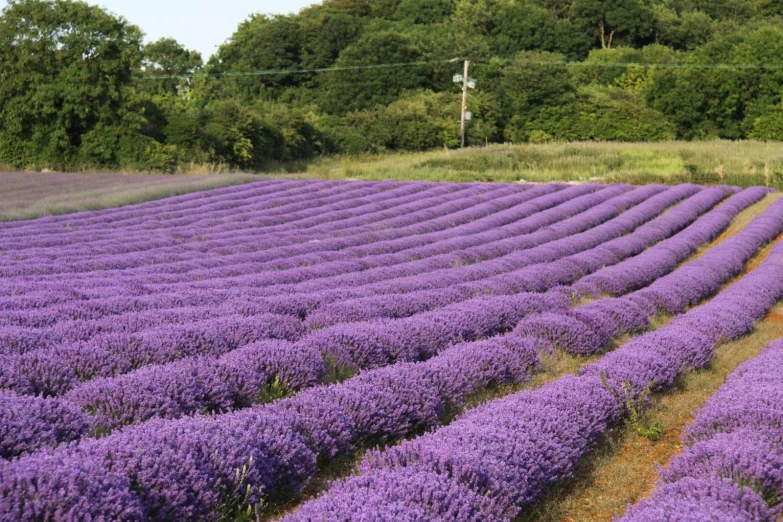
372 351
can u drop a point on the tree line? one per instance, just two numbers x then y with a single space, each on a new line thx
80 89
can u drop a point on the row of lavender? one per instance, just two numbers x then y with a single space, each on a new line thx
147 344
80 330
412 211
522 219
113 305
254 200
733 468
217 384
499 458
287 437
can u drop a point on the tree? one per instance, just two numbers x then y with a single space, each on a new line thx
626 21
360 86
734 10
623 67
66 86
237 136
536 79
768 126
528 27
723 101
168 57
260 44
686 30
480 15
614 114
534 82
425 11
325 34
168 96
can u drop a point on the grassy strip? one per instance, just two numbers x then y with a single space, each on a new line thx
742 163
740 222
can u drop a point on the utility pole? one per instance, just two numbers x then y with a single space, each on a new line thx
467 83
464 103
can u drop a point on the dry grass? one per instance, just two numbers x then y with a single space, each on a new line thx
743 163
26 195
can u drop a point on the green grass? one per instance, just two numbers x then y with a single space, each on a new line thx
743 163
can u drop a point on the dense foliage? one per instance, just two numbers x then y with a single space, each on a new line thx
78 88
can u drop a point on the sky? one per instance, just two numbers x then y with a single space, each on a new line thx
197 24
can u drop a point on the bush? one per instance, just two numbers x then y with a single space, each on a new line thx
417 122
617 115
595 113
539 137
768 126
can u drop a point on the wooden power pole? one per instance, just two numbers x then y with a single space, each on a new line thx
467 83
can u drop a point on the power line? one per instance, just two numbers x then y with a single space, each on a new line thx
274 72
566 63
562 63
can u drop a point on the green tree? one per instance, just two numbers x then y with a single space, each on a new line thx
360 8
425 11
769 125
296 134
723 101
480 15
615 114
734 10
163 61
623 67
532 84
529 27
260 44
67 94
168 57
325 33
771 7
686 30
614 21
185 131
358 85
237 136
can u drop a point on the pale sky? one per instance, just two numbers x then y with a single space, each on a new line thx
198 24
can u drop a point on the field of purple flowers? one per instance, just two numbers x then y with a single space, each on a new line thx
211 356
